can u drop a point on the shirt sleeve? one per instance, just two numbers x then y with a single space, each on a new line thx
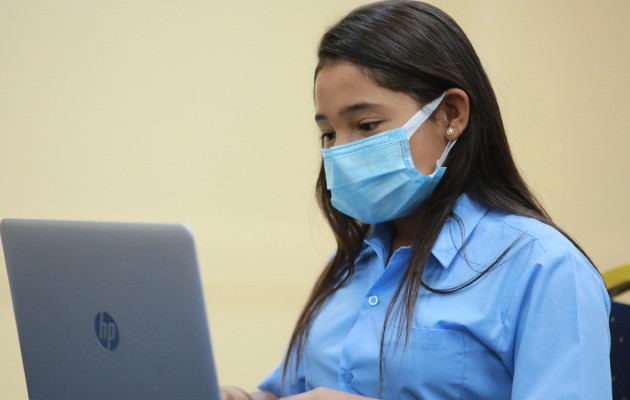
557 331
293 383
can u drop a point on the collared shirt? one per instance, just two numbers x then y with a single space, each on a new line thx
534 327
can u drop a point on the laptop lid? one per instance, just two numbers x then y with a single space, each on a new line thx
109 310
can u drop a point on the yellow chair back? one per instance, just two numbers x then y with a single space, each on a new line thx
617 279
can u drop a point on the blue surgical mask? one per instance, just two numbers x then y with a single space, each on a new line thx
375 180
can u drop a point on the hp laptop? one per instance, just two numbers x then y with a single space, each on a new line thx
109 310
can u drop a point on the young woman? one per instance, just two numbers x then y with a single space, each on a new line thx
449 281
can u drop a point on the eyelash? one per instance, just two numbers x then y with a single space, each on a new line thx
364 127
369 126
327 136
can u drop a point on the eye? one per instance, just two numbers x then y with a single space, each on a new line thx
369 126
328 139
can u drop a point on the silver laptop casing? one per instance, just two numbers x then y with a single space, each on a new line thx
109 310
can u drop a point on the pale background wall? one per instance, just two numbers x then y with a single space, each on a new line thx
201 112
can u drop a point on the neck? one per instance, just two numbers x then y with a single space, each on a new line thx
405 230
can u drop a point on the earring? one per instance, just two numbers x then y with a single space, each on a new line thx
450 131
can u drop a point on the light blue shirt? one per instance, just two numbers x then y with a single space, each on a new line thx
535 327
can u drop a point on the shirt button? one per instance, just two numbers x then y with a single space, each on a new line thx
373 300
348 377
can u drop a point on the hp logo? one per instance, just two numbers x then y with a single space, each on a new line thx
106 331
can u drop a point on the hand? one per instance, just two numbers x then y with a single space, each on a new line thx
234 393
322 393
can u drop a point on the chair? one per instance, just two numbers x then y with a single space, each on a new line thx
617 282
617 279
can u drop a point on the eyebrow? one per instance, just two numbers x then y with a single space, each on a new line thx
350 109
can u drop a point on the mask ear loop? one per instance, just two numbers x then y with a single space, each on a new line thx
440 161
418 119
425 112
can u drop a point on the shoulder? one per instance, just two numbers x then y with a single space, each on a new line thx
543 238
522 245
539 250
527 228
482 236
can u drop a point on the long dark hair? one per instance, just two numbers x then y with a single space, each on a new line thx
417 49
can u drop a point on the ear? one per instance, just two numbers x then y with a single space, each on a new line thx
454 113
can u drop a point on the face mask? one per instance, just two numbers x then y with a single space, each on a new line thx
375 180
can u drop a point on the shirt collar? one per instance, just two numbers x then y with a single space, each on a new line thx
379 238
457 229
450 240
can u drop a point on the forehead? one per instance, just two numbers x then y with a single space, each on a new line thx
342 84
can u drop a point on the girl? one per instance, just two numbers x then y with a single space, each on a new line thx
449 280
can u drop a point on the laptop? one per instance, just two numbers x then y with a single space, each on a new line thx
109 310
